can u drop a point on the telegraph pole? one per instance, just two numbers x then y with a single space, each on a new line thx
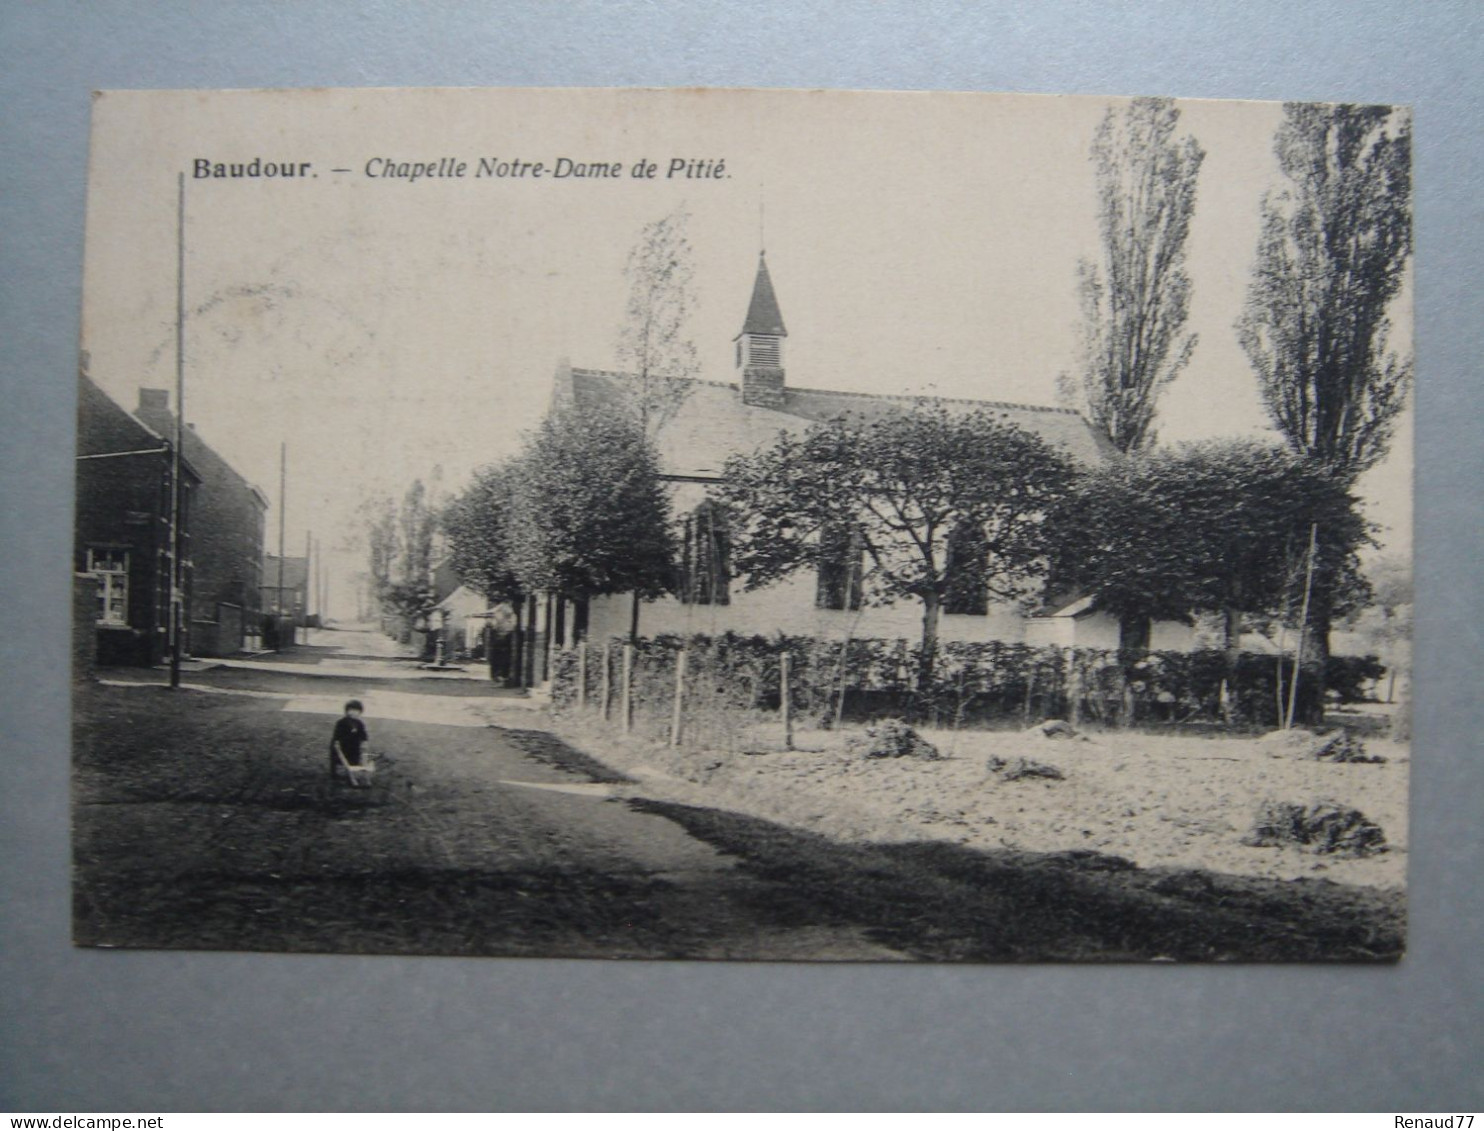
283 477
308 578
177 570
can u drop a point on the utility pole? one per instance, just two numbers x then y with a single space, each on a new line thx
283 477
177 570
308 582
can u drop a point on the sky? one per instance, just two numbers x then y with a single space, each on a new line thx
386 328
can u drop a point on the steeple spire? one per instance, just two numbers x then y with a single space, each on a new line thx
763 315
760 344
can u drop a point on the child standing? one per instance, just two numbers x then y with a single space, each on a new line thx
350 739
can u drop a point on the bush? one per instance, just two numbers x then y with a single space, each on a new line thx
1325 827
1019 768
893 738
1342 746
973 682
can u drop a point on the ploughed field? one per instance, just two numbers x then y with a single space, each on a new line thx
1155 800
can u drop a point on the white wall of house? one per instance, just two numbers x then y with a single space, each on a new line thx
789 607
1099 630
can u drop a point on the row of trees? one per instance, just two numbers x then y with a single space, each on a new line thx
1334 248
928 505
402 543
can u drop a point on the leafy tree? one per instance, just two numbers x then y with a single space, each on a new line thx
383 543
1136 296
1332 255
589 515
919 488
652 342
417 521
1217 526
477 524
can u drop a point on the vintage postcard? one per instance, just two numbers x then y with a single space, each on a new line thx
739 524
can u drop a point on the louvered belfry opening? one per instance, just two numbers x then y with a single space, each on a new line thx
765 351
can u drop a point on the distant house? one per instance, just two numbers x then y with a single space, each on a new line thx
226 544
122 531
285 592
1077 624
717 419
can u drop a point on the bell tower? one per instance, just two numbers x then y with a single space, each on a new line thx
759 346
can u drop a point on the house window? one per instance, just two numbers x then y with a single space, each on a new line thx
967 593
111 568
705 560
841 559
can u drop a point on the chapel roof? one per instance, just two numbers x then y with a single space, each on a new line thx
713 423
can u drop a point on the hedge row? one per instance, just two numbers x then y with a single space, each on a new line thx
972 682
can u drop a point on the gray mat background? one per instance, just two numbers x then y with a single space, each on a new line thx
83 1030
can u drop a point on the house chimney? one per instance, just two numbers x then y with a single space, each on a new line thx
154 400
760 344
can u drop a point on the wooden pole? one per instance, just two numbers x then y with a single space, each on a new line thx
1074 689
308 557
627 688
1298 652
582 675
785 699
177 548
283 479
677 713
607 679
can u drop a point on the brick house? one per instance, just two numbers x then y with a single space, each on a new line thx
122 529
227 543
717 419
286 594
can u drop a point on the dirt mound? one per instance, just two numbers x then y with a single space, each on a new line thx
893 738
1345 747
1325 745
1325 827
1055 729
1017 768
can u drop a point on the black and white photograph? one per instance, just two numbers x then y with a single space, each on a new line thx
744 525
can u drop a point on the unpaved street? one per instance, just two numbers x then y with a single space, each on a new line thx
207 818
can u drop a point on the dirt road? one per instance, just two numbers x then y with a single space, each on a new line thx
206 818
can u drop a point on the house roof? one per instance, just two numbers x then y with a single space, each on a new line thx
295 572
154 411
1076 607
763 315
107 428
713 423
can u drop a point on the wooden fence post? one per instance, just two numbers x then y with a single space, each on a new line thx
607 681
582 675
677 715
785 700
1074 688
627 689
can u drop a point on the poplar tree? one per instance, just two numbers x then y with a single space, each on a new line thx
1136 295
653 346
1332 257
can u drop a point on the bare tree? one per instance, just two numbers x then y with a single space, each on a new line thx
1136 296
652 343
1333 252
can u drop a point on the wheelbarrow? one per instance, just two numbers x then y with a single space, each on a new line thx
358 776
